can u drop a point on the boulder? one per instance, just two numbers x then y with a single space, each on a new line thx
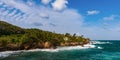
47 45
40 45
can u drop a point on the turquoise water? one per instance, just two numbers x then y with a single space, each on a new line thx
104 50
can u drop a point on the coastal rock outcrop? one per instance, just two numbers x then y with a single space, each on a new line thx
47 45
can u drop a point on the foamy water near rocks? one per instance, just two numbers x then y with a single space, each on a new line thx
7 53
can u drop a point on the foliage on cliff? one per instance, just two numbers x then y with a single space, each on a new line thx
14 38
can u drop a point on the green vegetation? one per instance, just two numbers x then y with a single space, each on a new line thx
16 38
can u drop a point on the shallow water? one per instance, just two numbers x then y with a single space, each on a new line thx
103 50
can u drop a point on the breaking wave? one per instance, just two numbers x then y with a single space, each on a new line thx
100 42
8 53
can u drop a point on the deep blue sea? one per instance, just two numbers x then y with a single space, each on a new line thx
103 50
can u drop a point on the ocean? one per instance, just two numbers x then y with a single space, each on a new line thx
100 50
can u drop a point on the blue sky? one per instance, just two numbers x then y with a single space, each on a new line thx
96 19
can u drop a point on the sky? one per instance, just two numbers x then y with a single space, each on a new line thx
95 19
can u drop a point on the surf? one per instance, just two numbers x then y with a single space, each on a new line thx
8 53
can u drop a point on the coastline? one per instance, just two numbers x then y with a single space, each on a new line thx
13 38
59 48
46 45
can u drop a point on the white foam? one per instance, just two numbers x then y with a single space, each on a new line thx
99 47
89 46
62 48
47 50
7 53
75 47
99 42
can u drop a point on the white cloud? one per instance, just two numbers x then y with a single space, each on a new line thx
105 24
93 12
16 4
109 18
12 13
44 15
51 20
69 20
5 13
59 4
1 3
45 1
30 3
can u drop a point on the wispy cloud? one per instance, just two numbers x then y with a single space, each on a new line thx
111 21
45 1
92 12
38 24
52 24
110 18
56 17
43 17
17 4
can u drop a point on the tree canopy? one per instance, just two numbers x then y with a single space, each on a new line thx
20 38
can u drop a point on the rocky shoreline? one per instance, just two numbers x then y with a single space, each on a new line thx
46 45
